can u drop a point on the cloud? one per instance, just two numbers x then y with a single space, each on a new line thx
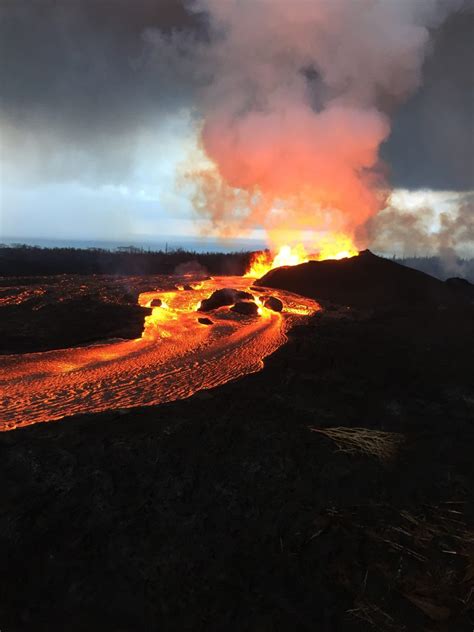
80 80
431 141
82 83
425 223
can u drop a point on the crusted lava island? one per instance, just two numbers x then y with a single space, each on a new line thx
206 451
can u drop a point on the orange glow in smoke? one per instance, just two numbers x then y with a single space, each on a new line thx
334 246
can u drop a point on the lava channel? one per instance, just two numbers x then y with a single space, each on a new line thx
175 357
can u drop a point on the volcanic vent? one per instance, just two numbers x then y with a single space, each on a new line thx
366 281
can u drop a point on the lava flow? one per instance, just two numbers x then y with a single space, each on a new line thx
178 354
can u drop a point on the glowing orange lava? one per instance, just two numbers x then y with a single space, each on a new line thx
176 356
334 246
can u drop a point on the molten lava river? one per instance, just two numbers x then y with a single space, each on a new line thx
176 356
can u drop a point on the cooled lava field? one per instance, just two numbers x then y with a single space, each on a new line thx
329 490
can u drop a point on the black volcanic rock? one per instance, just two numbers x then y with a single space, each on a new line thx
244 296
156 302
365 281
205 321
67 324
273 303
461 287
223 297
249 308
224 511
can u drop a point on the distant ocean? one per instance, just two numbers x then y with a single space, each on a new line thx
168 242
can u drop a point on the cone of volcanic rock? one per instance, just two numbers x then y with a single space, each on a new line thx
249 308
273 303
220 298
364 281
461 287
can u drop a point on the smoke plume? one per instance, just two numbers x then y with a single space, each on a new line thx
425 230
297 104
292 100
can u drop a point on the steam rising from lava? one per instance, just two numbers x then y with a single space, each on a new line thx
296 106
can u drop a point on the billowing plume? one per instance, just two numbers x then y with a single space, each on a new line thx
420 228
296 107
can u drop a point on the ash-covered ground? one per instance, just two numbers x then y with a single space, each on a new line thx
228 511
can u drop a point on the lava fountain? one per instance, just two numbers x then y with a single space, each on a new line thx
297 102
337 246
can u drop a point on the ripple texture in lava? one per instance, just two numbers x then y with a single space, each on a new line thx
175 357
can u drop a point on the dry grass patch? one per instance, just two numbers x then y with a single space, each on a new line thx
424 557
375 443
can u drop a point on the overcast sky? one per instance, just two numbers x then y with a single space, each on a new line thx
95 120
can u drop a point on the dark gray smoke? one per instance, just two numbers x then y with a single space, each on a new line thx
431 144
